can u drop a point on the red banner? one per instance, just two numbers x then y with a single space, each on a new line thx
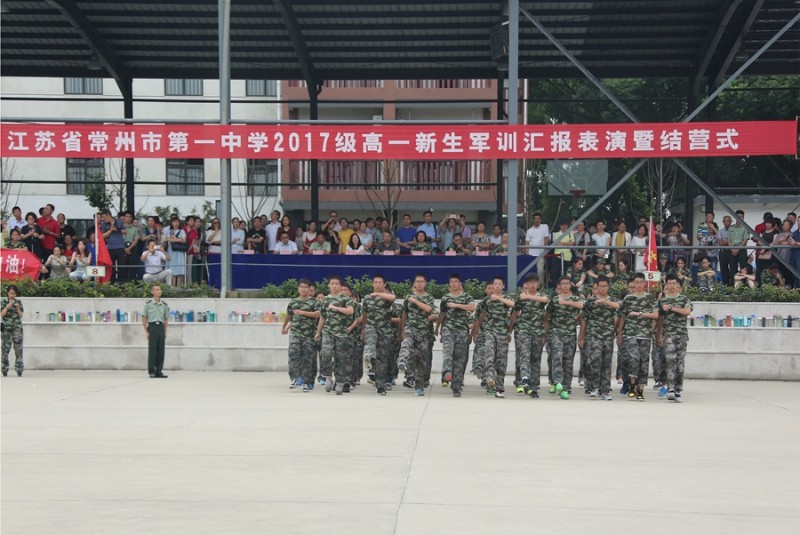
399 142
19 264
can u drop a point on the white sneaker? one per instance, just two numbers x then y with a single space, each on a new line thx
293 385
581 382
671 395
678 398
499 394
606 397
594 393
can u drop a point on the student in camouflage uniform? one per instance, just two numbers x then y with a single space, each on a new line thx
318 297
418 310
453 320
561 319
377 332
302 317
527 323
597 338
479 352
635 333
354 331
672 334
576 274
336 313
397 314
494 320
621 355
11 310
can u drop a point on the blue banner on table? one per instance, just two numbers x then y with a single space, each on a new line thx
256 271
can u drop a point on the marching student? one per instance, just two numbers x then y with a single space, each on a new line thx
597 338
336 312
302 317
377 333
672 334
418 309
527 324
453 322
494 319
561 321
635 333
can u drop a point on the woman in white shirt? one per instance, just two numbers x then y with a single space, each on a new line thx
640 240
601 239
354 246
237 237
214 237
365 237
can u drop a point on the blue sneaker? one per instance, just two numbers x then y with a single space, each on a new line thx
299 381
663 391
419 392
322 381
625 388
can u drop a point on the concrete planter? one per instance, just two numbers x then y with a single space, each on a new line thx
771 353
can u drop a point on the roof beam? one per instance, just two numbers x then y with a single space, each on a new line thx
737 44
710 44
284 7
105 55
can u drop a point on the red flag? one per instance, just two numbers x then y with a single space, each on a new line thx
19 264
101 252
651 259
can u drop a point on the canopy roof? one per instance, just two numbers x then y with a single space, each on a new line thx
382 39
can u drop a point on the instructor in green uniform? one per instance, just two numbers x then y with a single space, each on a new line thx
154 320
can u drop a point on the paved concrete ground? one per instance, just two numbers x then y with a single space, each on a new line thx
116 452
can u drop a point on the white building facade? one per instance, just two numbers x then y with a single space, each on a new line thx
186 185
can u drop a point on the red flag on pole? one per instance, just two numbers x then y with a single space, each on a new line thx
651 259
101 252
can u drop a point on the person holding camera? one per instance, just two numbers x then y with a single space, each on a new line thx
112 230
431 230
154 259
11 311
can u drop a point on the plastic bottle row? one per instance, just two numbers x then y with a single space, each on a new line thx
175 316
743 321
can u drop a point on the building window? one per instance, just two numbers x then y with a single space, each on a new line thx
185 177
83 86
83 171
262 88
262 178
183 87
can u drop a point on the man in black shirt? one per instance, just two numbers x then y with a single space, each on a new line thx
66 230
257 236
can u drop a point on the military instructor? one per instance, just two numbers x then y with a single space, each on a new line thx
154 320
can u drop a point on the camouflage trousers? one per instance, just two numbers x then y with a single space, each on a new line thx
659 359
584 361
496 358
315 358
674 348
335 356
599 352
561 350
479 353
529 356
414 351
379 347
302 352
13 337
637 359
357 361
455 351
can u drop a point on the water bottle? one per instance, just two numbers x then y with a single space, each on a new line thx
212 316
788 321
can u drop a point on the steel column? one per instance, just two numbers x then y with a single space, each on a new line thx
513 118
225 164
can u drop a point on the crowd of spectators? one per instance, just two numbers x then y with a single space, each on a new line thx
178 251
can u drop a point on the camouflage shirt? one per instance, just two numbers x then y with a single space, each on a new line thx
417 319
674 324
303 326
356 332
600 319
496 313
336 323
396 312
11 321
455 318
379 313
530 319
637 327
563 319
768 279
574 275
424 247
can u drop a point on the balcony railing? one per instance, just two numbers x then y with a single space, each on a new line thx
341 84
422 175
442 84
